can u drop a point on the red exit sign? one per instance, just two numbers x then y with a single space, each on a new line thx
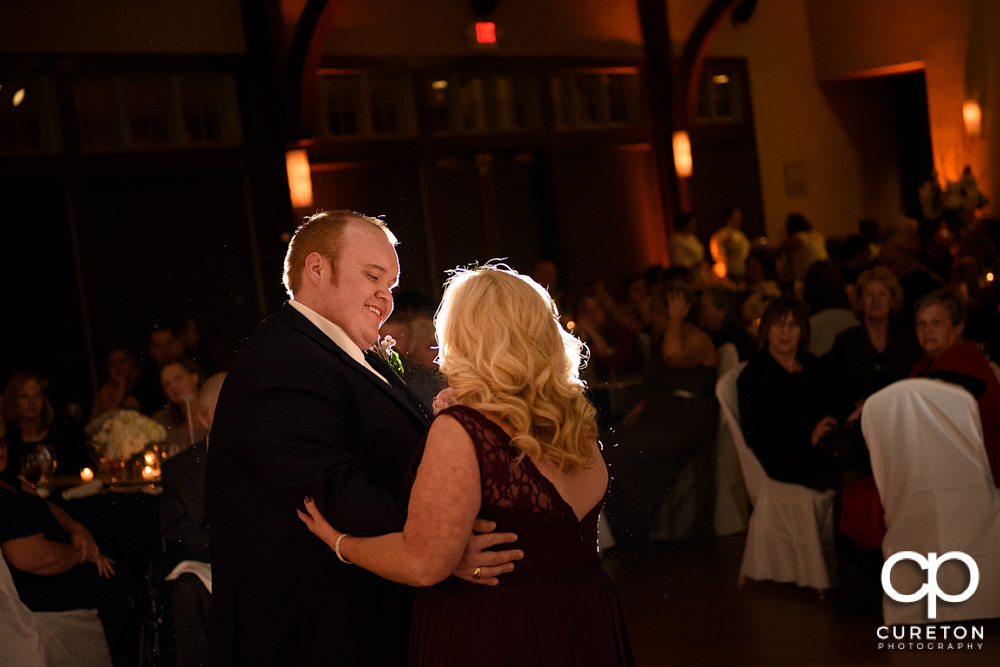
486 32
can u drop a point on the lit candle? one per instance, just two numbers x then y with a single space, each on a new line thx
149 474
150 457
87 475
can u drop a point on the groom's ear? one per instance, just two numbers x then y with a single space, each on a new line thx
314 268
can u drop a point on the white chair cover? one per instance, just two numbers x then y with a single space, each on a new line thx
49 639
732 505
933 476
790 534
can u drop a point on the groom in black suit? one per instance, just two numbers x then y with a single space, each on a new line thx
305 411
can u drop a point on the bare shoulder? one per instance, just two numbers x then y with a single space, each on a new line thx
704 344
448 432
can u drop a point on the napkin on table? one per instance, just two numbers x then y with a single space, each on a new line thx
84 490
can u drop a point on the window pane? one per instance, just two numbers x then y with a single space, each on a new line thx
146 109
617 98
588 94
341 99
471 105
438 99
92 105
202 104
383 99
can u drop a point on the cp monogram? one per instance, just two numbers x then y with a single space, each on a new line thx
930 589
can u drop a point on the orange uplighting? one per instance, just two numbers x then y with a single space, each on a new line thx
486 32
719 269
299 178
972 114
989 277
682 154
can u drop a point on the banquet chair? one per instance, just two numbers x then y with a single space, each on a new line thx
933 477
48 639
731 502
790 532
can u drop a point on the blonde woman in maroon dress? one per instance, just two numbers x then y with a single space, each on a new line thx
517 446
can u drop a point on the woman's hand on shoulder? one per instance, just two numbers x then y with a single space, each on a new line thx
444 399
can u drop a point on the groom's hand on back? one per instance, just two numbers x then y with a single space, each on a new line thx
490 564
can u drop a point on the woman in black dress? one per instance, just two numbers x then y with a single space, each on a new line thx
519 447
31 421
54 561
869 357
785 401
675 424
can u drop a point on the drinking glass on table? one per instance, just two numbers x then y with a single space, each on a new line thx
31 467
47 460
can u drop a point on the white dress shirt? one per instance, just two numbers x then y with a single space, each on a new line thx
337 335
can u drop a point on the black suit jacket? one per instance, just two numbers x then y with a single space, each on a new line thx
297 416
183 520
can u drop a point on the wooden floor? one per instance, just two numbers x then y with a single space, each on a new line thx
683 608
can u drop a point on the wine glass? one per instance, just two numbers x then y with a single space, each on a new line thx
31 467
47 460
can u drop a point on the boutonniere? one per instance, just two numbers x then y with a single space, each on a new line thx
384 350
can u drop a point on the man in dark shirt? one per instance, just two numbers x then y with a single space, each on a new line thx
184 525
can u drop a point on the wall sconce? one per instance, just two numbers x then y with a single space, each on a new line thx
299 178
972 114
682 154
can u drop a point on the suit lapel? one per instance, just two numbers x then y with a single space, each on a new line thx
389 374
402 397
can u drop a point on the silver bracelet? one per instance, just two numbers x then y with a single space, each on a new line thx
336 549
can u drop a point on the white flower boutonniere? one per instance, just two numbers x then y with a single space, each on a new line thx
384 350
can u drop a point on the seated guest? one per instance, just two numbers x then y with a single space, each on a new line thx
164 344
636 311
718 316
181 379
117 392
184 525
761 287
55 563
190 337
829 311
803 245
900 248
729 245
31 421
397 327
684 249
784 399
420 371
877 353
855 257
940 321
675 423
615 350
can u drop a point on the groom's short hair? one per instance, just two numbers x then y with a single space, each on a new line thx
322 233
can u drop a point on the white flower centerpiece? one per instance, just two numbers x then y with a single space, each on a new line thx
123 438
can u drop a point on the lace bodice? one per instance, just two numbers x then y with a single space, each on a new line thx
520 499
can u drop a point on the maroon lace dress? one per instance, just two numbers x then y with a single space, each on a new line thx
558 607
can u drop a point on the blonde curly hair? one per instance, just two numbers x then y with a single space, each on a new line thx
504 353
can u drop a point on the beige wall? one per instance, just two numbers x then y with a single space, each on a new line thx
528 28
853 36
793 119
121 26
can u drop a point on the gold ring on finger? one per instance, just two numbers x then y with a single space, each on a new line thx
477 573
